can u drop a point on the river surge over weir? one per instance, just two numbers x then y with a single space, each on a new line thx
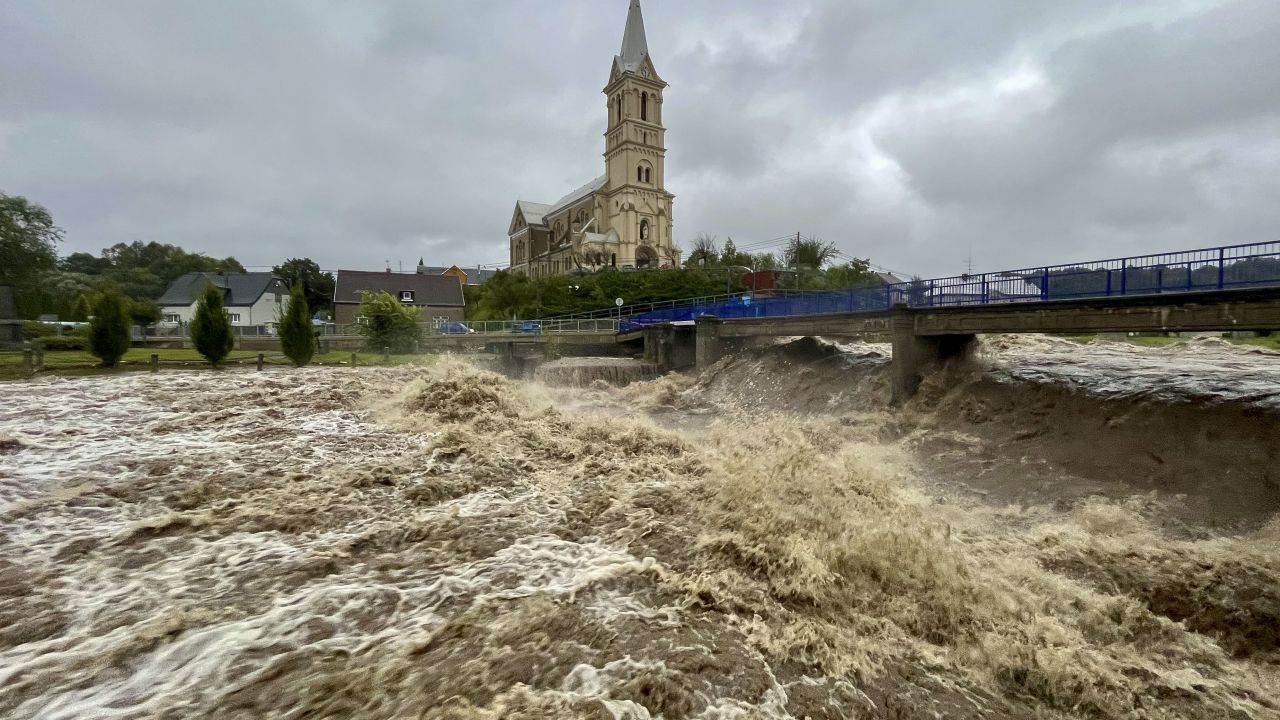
768 540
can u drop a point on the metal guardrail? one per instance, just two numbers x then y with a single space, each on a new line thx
511 328
640 308
459 329
1221 268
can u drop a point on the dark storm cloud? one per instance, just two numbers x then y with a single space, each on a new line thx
913 133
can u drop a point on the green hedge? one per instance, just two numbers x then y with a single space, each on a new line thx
66 342
32 329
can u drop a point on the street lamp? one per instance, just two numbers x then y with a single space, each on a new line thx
741 267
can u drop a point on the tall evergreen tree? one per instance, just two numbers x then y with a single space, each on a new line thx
296 334
211 328
109 328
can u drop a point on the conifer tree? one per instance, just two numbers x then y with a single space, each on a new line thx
109 328
211 328
297 337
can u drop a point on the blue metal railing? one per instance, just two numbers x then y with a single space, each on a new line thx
1221 268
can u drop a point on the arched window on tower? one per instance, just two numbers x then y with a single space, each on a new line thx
639 174
619 103
644 106
647 176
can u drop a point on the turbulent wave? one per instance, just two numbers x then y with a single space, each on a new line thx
447 543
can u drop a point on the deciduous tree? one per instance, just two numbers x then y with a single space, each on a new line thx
809 253
317 285
28 248
388 324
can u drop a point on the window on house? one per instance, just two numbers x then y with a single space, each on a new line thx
406 296
172 317
234 317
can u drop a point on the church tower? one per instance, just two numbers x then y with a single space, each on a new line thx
621 219
637 205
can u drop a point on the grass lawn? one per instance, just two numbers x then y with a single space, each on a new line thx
79 362
1154 340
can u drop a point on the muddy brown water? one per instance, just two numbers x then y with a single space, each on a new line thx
768 540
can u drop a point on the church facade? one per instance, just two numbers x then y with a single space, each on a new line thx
623 218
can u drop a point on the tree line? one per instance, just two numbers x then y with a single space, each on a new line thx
708 269
46 284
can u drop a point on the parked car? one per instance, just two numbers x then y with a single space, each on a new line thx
453 328
527 327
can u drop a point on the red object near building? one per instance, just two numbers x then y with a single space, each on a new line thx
769 280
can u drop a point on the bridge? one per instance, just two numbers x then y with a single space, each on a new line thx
1213 289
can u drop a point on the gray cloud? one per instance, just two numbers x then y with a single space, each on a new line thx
911 133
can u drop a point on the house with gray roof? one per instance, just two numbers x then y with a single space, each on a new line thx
254 298
438 296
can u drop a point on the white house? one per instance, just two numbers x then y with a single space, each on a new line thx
249 298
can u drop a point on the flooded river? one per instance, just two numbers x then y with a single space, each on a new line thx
769 540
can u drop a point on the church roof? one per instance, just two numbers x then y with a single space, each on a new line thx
533 212
578 194
634 45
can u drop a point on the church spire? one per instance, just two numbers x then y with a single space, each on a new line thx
634 45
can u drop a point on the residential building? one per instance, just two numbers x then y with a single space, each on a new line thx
622 218
469 275
439 296
254 298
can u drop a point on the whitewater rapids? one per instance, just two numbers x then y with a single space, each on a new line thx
447 543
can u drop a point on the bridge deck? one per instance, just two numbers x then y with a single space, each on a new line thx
1250 309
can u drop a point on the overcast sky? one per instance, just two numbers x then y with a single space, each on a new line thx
913 133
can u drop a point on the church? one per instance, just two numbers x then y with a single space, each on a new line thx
621 219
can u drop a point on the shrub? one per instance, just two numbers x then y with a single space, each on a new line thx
65 342
297 337
109 328
32 329
211 328
388 323
144 312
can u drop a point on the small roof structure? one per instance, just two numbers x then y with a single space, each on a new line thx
238 289
533 212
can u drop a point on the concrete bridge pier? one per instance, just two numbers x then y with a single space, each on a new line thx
670 347
708 345
916 355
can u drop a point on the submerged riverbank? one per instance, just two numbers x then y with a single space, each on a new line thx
767 540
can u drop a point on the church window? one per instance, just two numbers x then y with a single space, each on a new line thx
639 174
644 106
647 177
